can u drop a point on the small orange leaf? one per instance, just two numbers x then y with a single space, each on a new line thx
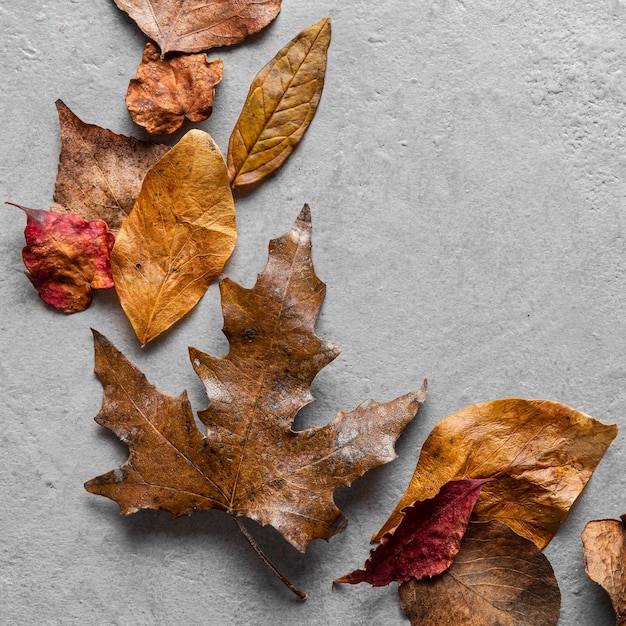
177 238
542 454
166 91
176 26
281 103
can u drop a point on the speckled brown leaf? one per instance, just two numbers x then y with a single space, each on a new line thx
250 462
177 238
166 91
604 553
281 103
497 577
196 25
100 172
542 454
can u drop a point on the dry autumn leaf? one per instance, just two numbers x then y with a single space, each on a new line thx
177 238
542 454
182 26
250 462
66 257
281 103
100 172
426 540
497 577
604 553
166 91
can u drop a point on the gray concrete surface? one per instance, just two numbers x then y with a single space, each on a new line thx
467 177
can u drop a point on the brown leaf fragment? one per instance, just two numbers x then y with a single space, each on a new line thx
66 257
100 172
542 454
604 554
177 238
426 540
186 26
168 90
497 577
281 103
250 462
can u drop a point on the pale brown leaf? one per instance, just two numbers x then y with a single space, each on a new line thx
197 25
100 172
604 553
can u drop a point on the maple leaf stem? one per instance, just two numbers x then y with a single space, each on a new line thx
244 531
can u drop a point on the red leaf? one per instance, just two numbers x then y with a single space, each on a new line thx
66 257
426 540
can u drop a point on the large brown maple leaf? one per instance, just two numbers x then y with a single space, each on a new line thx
250 462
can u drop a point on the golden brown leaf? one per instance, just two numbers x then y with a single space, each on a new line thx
100 172
497 577
185 26
250 462
177 238
166 91
604 553
542 454
281 103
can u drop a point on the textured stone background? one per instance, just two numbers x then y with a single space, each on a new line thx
467 174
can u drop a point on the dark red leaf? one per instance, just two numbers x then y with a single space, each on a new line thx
426 540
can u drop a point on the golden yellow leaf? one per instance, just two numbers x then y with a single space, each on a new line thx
177 238
541 453
280 105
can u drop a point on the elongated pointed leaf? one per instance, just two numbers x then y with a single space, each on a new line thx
426 540
542 454
281 103
177 238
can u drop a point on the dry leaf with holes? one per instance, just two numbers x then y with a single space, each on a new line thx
542 454
100 172
169 90
185 26
281 103
497 577
177 238
604 553
250 462
66 257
